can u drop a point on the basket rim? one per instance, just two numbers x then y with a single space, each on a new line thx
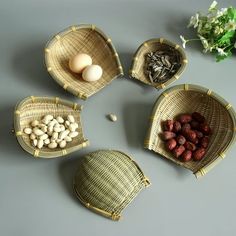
40 153
68 30
176 76
112 215
208 166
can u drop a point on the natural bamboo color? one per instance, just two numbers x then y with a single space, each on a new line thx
137 70
187 99
107 181
81 39
33 108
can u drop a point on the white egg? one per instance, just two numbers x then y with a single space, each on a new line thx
92 73
78 63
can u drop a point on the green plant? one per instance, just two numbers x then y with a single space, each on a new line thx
216 30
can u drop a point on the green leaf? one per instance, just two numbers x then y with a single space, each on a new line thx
231 13
222 57
225 39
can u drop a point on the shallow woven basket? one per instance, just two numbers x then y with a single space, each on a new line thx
187 99
137 70
32 108
81 39
107 181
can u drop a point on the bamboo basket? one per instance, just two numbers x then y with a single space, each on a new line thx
137 70
219 114
82 39
32 108
107 181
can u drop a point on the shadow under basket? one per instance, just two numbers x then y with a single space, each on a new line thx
138 67
219 114
107 181
34 108
82 39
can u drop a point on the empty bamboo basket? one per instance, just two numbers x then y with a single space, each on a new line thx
187 99
107 181
138 67
34 108
81 39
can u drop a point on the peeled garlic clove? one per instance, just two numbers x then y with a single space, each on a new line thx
34 123
57 129
73 134
52 145
27 130
60 120
44 129
40 143
112 117
71 119
62 144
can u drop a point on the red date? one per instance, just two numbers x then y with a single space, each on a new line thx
180 139
171 144
178 151
190 146
199 154
177 127
186 156
168 135
186 118
168 125
198 117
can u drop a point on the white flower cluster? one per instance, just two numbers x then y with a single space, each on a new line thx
216 30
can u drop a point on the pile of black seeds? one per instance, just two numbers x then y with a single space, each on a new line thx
162 65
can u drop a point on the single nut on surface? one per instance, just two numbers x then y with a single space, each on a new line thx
112 117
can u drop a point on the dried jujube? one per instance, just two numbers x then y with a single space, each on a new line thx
188 137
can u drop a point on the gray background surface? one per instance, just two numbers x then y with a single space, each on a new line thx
36 196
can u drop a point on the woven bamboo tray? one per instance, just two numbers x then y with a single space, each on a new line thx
137 70
187 99
107 181
81 39
32 108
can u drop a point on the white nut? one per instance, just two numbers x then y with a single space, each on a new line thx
45 121
50 129
68 139
72 127
32 136
62 144
44 129
54 136
34 123
52 123
73 134
38 131
60 120
62 127
52 145
43 137
57 129
112 117
76 125
63 134
27 130
41 125
67 124
71 118
40 143
48 117
35 142
47 141
58 140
